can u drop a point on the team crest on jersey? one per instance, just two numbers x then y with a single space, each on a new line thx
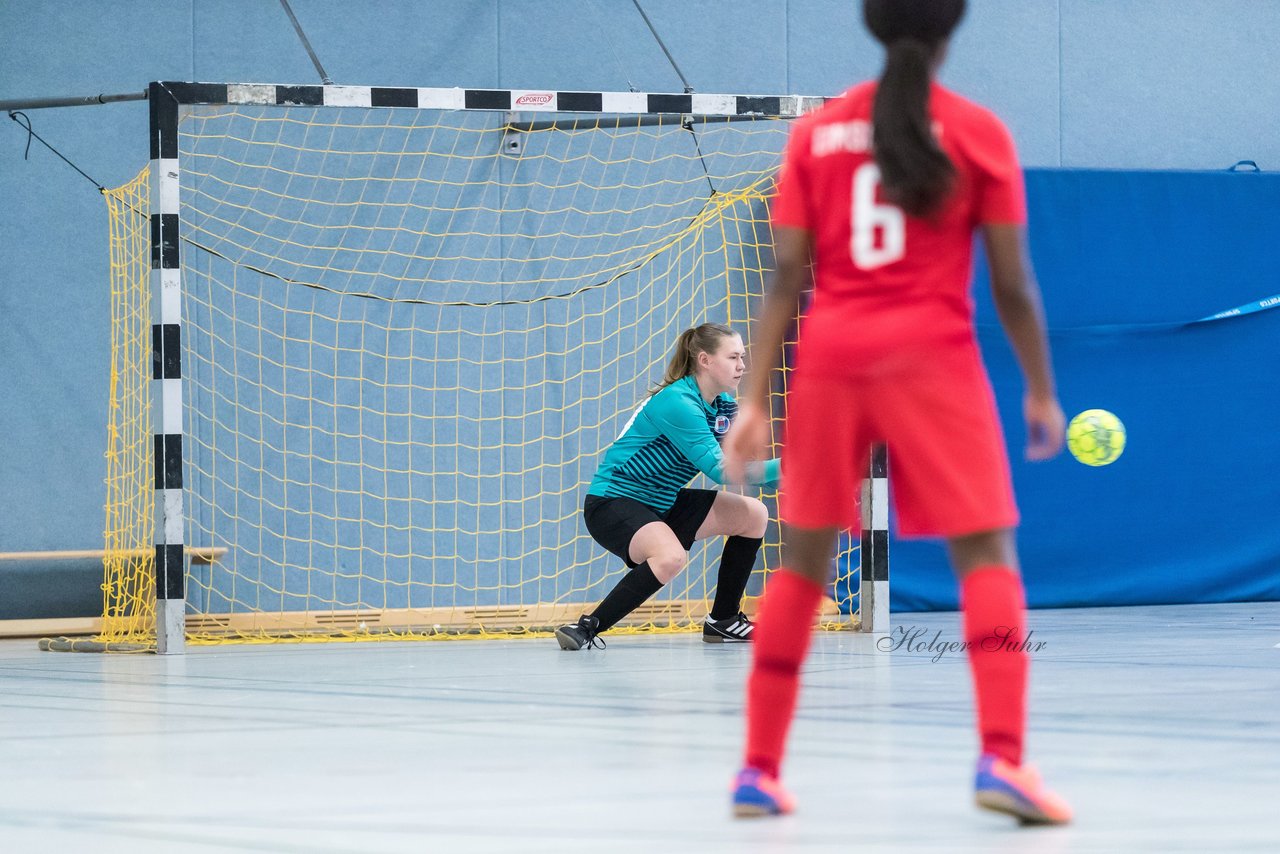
722 424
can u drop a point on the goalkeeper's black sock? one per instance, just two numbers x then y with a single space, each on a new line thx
629 593
736 562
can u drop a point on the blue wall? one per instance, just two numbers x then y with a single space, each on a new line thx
1129 261
1146 84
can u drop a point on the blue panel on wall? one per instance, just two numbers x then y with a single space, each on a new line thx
1115 247
1184 516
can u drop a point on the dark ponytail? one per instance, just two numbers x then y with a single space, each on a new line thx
914 170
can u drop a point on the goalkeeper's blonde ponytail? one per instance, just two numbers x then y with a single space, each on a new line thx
684 359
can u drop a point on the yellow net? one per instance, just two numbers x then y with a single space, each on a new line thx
128 582
409 335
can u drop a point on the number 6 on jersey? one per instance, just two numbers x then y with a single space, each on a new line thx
867 218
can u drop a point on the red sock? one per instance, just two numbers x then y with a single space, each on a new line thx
995 627
784 628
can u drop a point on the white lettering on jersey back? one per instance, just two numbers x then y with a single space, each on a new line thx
854 136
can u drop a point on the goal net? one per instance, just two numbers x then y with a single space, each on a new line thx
411 321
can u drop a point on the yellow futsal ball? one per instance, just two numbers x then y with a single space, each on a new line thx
1096 437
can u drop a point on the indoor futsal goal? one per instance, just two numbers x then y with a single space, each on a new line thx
370 343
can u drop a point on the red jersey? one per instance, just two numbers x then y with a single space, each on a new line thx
888 285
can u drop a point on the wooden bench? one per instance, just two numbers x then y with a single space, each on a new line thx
198 554
64 596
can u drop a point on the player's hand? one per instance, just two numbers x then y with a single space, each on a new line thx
747 441
1046 427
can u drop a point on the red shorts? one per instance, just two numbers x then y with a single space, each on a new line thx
948 470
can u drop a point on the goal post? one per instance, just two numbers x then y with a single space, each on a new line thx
394 328
170 568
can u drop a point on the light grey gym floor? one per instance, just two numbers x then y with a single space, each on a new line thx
1161 725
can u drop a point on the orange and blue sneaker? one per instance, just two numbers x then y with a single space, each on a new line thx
756 794
1017 791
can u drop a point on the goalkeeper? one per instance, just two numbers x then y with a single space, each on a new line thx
637 505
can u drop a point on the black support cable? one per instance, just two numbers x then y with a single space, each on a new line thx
315 60
661 44
31 134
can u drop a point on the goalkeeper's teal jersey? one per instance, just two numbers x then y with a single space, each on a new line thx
672 436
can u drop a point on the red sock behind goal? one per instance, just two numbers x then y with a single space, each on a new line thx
995 627
784 628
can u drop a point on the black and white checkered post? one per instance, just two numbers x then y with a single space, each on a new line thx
873 585
166 338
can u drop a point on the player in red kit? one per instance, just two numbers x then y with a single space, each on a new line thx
883 190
